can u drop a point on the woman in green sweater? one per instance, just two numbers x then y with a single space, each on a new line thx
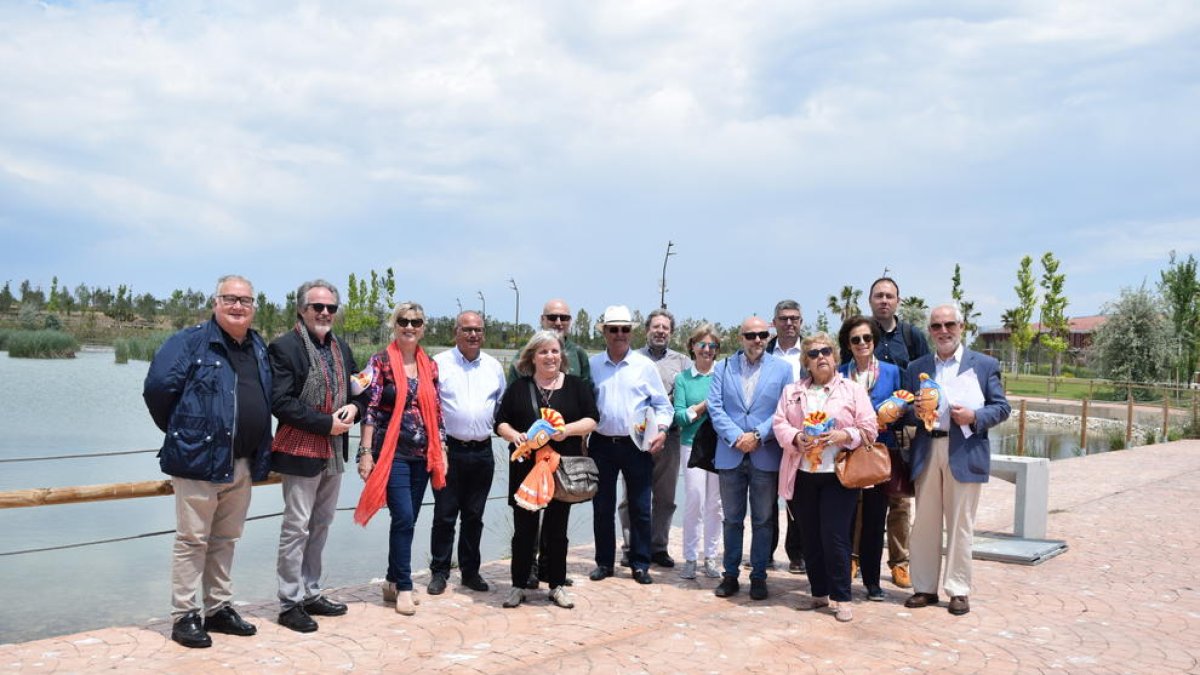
702 494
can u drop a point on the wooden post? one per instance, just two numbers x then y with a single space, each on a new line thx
1091 384
1021 431
1166 414
1128 417
1083 427
1048 381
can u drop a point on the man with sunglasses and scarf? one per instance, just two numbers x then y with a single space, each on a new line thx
626 384
950 461
742 399
311 397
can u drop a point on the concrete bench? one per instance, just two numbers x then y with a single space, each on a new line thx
1032 503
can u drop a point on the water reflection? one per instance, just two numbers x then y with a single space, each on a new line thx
1048 440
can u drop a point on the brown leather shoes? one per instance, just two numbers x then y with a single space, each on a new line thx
918 600
959 605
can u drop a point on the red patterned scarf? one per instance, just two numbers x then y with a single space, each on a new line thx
374 494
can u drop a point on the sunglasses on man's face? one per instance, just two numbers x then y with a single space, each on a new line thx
318 307
859 339
619 329
823 351
556 317
756 335
405 323
948 325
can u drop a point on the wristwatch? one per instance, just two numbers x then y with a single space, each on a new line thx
362 450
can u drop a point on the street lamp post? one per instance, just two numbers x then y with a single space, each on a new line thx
517 314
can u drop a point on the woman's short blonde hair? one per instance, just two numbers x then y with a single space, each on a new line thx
703 330
525 359
404 307
821 338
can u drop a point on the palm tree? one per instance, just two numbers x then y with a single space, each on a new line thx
1010 321
846 305
913 310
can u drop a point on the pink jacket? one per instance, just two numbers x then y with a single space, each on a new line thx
848 403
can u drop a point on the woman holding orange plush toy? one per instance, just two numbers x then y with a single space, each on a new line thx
816 419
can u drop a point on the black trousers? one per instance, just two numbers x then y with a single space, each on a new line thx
874 506
469 471
552 560
827 510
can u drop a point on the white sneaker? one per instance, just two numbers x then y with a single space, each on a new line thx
515 597
711 570
688 571
558 596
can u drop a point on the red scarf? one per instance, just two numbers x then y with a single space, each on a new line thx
374 494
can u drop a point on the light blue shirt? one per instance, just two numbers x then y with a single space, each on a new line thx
470 392
625 387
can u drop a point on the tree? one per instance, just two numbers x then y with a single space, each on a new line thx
121 308
32 296
845 304
1134 344
84 295
914 311
1021 332
1055 329
822 322
967 307
1180 290
146 306
6 298
269 317
582 328
52 305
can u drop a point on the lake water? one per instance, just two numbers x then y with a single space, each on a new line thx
91 405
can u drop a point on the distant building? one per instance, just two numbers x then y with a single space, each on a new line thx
995 340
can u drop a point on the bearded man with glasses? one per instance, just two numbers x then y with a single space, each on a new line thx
207 390
741 402
951 460
311 396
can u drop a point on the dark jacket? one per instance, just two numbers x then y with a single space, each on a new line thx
191 392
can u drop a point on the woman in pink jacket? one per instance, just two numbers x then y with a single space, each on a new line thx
806 476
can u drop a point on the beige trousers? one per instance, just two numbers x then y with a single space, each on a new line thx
208 522
941 499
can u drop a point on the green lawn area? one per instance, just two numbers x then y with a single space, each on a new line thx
1057 387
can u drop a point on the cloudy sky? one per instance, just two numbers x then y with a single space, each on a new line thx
786 148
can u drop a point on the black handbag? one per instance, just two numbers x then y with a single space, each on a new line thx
704 447
576 479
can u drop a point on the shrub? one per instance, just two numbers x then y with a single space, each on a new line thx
138 348
42 344
1116 439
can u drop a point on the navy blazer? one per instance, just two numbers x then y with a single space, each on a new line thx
970 458
732 415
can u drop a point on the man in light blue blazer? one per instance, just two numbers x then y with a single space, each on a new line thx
949 464
741 402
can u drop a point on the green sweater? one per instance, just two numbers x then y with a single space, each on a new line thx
690 389
576 358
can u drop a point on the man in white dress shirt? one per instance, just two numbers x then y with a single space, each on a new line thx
626 384
470 385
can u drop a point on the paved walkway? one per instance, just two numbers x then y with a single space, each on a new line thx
1124 598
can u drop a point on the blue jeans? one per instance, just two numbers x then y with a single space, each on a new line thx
613 455
761 488
827 511
405 490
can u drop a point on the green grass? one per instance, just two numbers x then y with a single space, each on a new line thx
41 344
1058 387
139 348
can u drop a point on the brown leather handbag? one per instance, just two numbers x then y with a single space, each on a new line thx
865 466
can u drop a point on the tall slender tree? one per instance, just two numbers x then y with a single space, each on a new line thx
1055 327
967 307
1180 289
1021 332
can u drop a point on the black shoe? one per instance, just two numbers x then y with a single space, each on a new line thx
625 560
876 594
298 620
728 586
662 559
323 606
437 585
642 577
796 568
758 589
475 583
600 573
227 621
189 632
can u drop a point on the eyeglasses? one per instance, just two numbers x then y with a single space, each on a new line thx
557 317
823 351
757 335
319 307
231 300
860 339
405 323
707 345
788 319
470 330
618 329
948 325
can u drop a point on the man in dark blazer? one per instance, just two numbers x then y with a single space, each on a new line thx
950 462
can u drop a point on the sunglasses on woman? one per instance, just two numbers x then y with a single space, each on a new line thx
823 351
859 339
405 323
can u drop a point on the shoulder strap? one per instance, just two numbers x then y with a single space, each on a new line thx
906 334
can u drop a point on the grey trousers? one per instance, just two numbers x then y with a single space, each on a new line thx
309 505
662 501
209 518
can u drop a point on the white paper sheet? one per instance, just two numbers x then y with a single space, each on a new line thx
964 390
